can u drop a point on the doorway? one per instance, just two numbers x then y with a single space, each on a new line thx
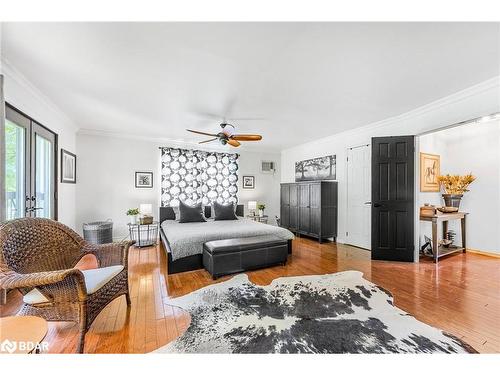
469 147
359 196
31 167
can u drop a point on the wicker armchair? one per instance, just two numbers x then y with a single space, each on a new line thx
37 257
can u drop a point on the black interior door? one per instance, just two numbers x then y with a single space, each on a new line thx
393 198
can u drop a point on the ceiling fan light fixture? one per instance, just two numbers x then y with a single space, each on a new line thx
228 136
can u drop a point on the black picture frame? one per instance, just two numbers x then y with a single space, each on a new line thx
66 168
248 182
140 185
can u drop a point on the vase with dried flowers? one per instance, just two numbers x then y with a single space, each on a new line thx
454 187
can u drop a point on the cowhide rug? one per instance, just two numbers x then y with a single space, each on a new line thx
336 313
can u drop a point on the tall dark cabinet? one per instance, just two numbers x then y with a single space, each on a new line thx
310 208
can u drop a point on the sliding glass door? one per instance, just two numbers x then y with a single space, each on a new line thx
30 173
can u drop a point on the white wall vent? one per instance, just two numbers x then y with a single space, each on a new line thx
268 167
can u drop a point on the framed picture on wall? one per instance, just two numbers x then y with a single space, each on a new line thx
68 167
248 182
144 179
324 168
430 165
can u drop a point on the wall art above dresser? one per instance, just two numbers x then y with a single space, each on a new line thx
324 168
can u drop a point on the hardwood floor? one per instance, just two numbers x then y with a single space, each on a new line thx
461 295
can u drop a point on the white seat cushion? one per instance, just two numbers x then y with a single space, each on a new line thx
94 280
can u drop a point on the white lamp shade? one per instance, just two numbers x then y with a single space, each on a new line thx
146 208
252 205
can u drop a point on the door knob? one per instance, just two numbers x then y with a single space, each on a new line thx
368 203
377 205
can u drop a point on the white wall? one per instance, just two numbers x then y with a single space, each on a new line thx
106 187
20 93
431 144
471 103
471 148
267 186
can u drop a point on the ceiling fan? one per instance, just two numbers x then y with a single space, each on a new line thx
227 136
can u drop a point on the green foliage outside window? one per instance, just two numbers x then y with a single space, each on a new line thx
13 135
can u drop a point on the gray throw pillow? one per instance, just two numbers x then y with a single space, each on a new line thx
224 212
190 214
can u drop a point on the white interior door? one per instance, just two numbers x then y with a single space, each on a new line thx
359 196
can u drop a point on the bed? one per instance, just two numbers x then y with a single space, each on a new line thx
183 242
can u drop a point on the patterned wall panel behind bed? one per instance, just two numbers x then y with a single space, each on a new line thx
198 176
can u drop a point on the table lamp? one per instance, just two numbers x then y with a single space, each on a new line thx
252 206
146 210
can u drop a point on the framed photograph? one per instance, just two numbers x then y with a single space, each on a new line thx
144 179
248 182
430 165
68 167
324 168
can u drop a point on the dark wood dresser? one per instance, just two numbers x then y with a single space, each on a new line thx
310 208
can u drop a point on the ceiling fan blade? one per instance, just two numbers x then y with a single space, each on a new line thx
233 142
203 133
209 140
247 137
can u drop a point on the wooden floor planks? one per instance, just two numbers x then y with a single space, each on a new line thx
461 295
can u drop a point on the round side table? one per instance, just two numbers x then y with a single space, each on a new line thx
21 334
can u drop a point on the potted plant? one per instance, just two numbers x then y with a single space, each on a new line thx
261 207
133 212
454 187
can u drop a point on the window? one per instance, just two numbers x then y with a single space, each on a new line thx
30 170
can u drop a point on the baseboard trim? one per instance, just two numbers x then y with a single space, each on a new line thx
486 253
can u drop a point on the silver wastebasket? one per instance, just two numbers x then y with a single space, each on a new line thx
98 232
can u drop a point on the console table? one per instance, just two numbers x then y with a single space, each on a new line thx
440 251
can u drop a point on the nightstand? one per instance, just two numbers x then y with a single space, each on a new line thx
144 234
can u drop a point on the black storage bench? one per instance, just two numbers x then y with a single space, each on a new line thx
223 257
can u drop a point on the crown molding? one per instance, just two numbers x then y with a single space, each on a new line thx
169 142
490 84
13 73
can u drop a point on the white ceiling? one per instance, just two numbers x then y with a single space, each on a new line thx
308 80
